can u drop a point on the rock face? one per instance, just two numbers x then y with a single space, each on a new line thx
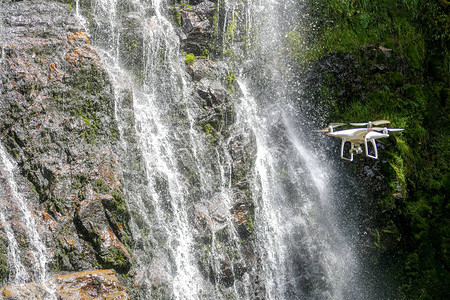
99 284
198 23
215 87
57 122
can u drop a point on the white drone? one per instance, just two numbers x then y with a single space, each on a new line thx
358 136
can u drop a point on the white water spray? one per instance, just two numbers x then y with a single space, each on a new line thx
17 271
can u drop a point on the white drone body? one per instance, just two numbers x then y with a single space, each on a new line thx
360 136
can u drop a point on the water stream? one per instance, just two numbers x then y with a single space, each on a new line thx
14 208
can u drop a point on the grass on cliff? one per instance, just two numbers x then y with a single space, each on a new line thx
348 25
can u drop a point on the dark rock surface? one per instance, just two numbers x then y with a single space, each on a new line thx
216 92
57 122
197 22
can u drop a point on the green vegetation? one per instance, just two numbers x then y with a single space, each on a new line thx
210 132
229 80
190 59
398 70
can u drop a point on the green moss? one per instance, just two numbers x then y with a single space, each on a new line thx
211 132
249 224
100 187
347 26
115 257
121 206
190 59
79 181
177 16
90 80
93 125
229 80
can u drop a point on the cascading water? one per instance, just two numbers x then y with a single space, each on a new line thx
184 178
27 255
185 211
17 271
305 255
14 208
2 53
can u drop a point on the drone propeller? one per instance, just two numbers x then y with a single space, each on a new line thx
330 127
387 129
370 123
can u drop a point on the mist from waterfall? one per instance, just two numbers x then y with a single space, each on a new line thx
305 252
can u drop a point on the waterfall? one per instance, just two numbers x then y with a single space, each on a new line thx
192 217
305 251
185 179
305 254
2 34
17 271
27 255
14 208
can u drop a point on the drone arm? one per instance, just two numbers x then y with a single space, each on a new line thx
342 151
374 144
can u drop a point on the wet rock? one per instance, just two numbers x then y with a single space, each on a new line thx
3 255
92 223
90 284
57 122
97 284
204 68
243 219
131 46
212 92
197 26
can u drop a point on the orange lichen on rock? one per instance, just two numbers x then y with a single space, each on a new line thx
88 285
67 241
239 216
51 223
78 35
109 239
97 284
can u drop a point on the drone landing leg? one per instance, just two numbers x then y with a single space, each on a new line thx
342 151
374 144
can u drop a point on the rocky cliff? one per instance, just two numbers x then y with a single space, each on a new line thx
57 123
76 161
